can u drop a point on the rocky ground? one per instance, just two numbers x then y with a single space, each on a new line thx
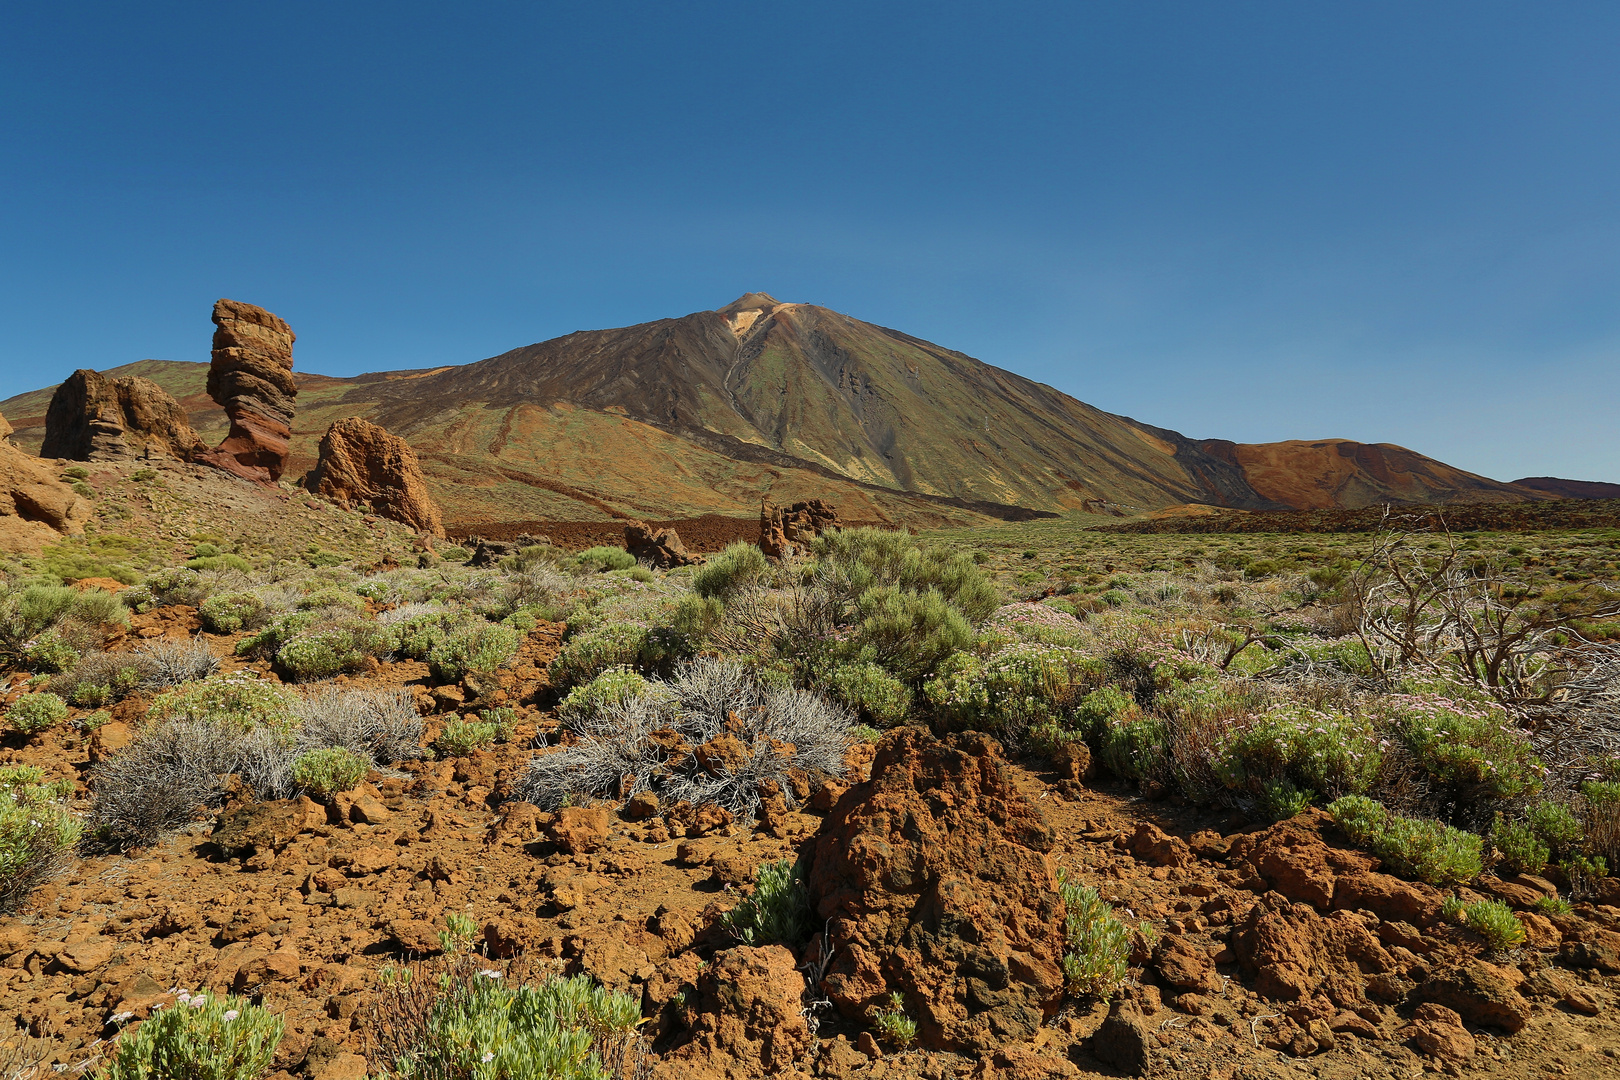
1274 952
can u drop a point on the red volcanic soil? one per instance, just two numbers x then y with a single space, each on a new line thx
706 534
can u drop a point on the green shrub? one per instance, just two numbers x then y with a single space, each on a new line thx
140 476
174 585
37 833
865 733
480 647
1494 921
851 562
909 633
1115 598
34 713
870 691
458 737
778 911
83 490
1553 905
28 612
1556 824
321 654
49 652
1427 850
95 720
221 562
722 575
226 613
324 773
893 1025
1470 750
1097 946
1308 749
603 558
1518 846
240 700
476 1027
1281 800
223 1038
1452 909
610 687
587 655
76 472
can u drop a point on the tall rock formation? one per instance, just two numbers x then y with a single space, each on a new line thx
784 529
36 507
361 463
94 418
251 378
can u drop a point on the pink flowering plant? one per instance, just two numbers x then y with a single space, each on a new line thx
1470 748
1325 753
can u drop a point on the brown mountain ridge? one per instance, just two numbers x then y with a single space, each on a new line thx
711 411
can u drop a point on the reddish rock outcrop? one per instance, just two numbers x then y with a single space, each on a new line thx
251 378
785 529
661 547
361 463
36 507
934 881
94 418
1296 954
748 1017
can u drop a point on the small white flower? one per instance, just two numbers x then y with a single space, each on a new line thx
197 1002
490 973
489 1055
231 1014
121 1017
184 997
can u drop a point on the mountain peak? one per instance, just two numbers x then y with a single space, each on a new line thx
753 301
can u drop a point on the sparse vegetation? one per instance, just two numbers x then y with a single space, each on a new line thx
778 910
204 1036
1098 945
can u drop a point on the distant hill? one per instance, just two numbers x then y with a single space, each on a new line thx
708 412
1569 489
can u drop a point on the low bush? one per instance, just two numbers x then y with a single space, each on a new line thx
382 725
49 652
1097 946
462 1020
871 691
1304 748
1469 750
458 737
202 1036
724 574
1600 819
587 655
332 650
1427 850
165 588
603 558
480 647
609 687
893 1025
179 767
1494 921
1552 905
909 633
241 701
37 832
324 773
34 713
226 561
779 910
1517 845
227 613
626 747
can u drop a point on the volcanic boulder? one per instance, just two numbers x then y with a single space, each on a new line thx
782 530
94 418
933 880
251 378
35 506
661 548
362 463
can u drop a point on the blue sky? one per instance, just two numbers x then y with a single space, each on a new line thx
1391 222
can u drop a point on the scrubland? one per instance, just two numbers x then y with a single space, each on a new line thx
351 723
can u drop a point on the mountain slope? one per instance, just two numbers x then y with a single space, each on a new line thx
711 411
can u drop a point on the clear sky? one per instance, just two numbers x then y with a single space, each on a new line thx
1396 222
